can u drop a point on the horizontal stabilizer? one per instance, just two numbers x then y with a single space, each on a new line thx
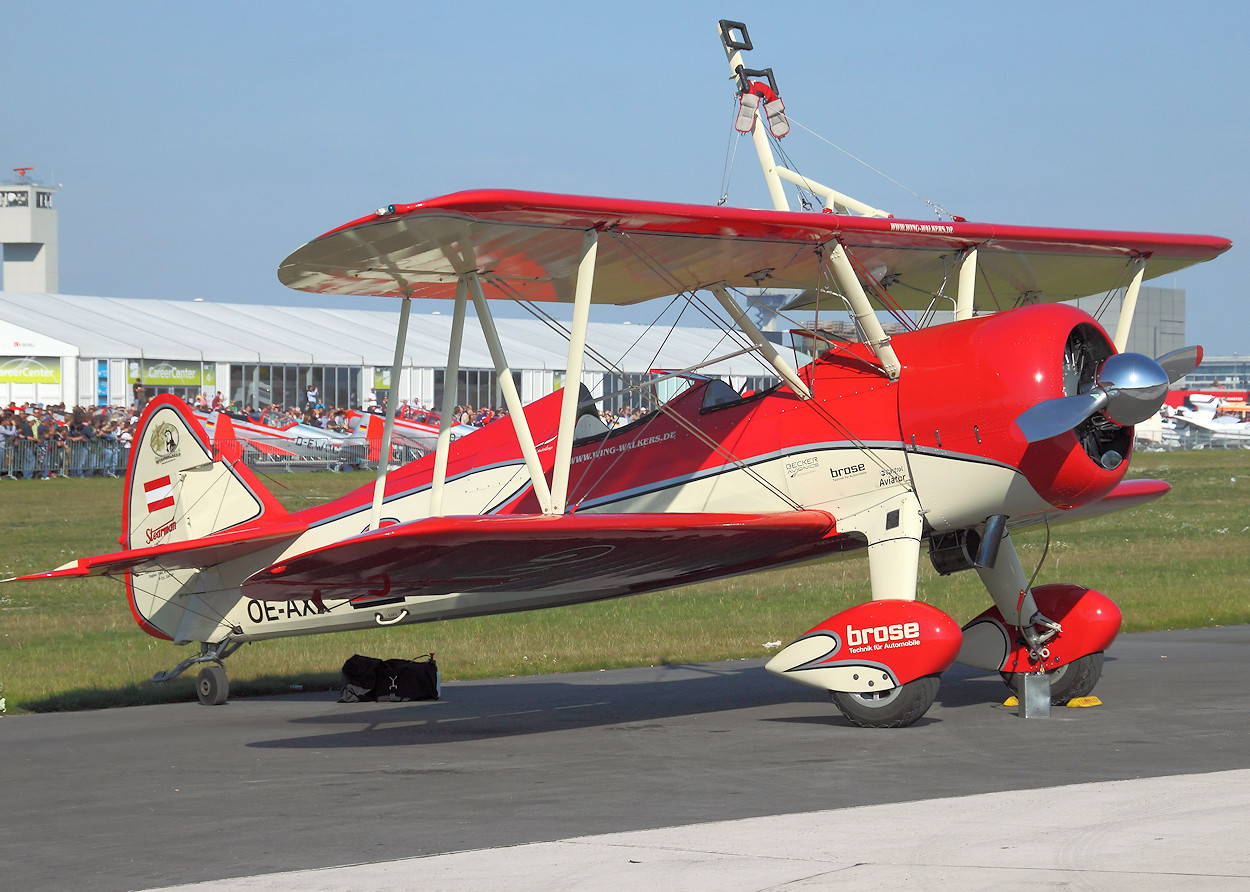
185 555
598 555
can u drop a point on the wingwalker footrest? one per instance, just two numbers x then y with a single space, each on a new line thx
872 647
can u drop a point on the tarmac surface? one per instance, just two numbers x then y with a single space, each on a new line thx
673 777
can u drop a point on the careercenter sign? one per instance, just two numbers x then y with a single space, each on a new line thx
30 370
169 373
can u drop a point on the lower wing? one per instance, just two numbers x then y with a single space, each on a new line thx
599 555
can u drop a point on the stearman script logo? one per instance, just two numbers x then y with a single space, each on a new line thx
163 442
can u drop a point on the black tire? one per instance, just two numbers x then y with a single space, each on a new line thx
1069 681
895 708
211 686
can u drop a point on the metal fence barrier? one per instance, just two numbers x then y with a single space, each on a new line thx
31 458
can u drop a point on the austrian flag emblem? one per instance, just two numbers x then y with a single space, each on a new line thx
159 493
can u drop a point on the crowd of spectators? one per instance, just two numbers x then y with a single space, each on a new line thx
483 416
45 441
39 441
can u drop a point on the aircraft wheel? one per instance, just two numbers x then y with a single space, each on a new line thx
895 708
212 686
1069 681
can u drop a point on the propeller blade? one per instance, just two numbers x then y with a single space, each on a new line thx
1050 418
1180 363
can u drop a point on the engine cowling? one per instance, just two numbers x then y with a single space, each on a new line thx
871 647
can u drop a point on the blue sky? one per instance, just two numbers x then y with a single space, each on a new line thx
199 143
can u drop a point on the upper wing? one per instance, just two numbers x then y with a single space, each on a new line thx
594 555
528 245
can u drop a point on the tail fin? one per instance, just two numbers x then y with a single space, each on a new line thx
179 487
181 491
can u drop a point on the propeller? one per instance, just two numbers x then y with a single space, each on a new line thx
1129 388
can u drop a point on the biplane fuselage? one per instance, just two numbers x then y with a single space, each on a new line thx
859 442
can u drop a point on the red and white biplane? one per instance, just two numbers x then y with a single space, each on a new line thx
413 427
275 437
1018 412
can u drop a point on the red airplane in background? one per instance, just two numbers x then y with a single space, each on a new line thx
948 438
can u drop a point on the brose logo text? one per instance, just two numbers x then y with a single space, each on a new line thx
883 634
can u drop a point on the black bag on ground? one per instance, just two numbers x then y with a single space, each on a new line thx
401 680
360 679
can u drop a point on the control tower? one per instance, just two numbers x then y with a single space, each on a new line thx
28 234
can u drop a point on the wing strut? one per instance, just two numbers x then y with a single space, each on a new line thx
842 203
384 456
1129 305
766 348
965 301
878 341
573 371
510 396
446 421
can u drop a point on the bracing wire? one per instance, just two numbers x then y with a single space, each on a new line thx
731 157
937 208
1045 551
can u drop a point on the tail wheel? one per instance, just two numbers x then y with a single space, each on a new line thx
895 708
212 686
1069 681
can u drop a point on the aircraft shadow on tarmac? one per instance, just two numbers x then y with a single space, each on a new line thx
536 705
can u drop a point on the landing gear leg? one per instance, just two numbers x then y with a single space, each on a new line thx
212 687
1008 585
1009 588
893 558
894 548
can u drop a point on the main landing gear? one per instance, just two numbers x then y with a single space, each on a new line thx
1068 682
1017 637
880 662
212 686
896 708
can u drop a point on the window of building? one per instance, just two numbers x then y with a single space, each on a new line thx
474 387
630 389
287 385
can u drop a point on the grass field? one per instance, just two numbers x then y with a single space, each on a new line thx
1180 562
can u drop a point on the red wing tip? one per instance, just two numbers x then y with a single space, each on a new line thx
1141 486
60 573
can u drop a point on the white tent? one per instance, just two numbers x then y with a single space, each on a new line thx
84 349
